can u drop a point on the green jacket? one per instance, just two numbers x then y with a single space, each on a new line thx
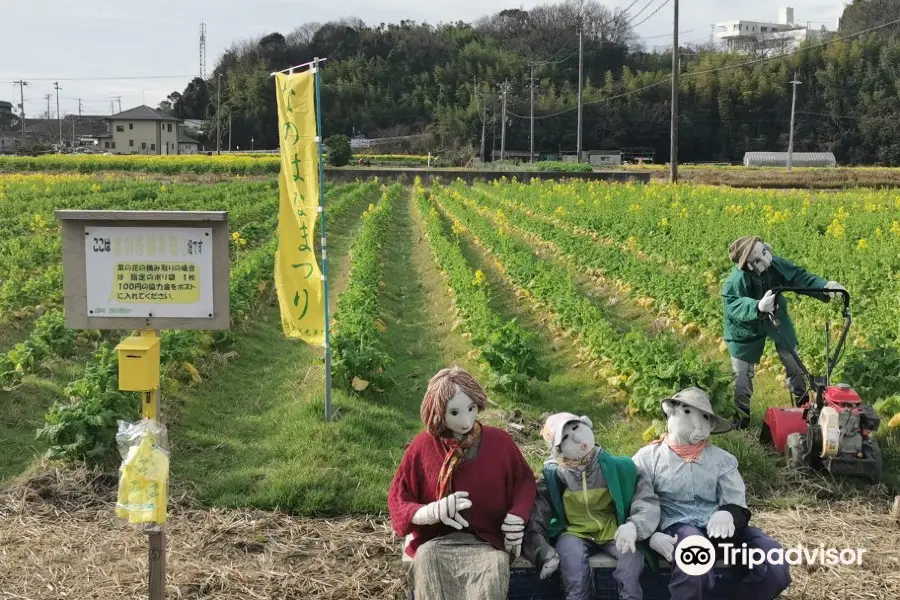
746 329
632 496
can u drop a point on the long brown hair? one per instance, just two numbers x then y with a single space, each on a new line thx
442 387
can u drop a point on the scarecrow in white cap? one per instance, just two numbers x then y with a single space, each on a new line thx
588 502
701 493
749 300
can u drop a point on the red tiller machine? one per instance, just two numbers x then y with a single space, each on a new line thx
830 428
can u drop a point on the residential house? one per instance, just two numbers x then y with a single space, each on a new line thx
187 144
141 130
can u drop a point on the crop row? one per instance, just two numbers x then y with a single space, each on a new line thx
671 245
359 358
508 350
650 367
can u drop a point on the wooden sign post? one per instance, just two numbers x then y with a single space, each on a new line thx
145 270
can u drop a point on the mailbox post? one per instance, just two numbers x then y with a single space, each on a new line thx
145 271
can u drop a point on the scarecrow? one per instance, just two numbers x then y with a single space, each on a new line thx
749 301
701 493
588 502
461 496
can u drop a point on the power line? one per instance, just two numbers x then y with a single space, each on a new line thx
719 69
638 13
653 14
110 78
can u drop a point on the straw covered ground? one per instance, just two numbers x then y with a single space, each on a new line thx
59 538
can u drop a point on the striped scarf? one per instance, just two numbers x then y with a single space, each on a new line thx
456 451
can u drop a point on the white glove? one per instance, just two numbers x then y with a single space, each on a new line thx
550 565
767 304
513 529
664 544
834 285
626 537
721 525
446 511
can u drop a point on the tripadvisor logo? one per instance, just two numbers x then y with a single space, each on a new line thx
696 555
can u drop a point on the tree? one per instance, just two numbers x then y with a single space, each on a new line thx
339 153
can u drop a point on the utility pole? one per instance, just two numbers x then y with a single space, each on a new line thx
790 159
219 115
22 83
49 114
676 84
229 132
483 123
504 87
112 108
531 135
580 83
79 107
119 100
58 115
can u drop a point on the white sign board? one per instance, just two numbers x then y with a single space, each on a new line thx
154 272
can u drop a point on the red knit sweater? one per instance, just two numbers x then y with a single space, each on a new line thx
498 480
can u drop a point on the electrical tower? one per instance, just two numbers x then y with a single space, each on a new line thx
202 50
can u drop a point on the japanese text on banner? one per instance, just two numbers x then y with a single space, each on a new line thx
298 278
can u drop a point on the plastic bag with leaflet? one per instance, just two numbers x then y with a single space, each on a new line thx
144 473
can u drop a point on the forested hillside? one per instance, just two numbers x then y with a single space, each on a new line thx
407 78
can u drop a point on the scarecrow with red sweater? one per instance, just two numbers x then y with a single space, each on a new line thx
461 496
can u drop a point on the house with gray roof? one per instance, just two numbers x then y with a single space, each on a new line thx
141 130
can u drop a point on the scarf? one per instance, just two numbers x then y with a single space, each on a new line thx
455 452
579 463
687 452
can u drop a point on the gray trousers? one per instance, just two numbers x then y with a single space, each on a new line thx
574 554
743 379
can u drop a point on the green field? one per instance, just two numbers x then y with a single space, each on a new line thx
592 298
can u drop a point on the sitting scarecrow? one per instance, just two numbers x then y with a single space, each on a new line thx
588 502
461 496
701 493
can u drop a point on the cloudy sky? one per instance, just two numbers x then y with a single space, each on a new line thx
93 46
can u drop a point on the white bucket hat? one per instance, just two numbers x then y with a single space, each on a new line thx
698 399
553 427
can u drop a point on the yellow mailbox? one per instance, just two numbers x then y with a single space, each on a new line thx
139 363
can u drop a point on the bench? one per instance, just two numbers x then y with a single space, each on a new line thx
525 582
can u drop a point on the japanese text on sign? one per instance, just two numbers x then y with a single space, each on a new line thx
149 272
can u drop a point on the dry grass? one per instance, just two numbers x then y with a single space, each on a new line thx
804 178
60 539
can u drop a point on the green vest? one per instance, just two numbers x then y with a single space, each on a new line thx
620 473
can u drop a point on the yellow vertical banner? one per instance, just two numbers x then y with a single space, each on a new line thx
298 278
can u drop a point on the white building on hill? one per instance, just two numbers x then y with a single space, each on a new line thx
765 37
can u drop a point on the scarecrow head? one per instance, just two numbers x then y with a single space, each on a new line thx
751 253
452 403
569 436
691 419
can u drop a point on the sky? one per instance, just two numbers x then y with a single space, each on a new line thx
142 50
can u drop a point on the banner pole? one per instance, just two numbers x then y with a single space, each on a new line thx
318 75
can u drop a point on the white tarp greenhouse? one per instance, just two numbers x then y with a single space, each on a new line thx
779 159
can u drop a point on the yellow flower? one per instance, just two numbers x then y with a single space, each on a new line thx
560 211
862 245
634 208
235 236
836 229
480 280
895 227
664 222
243 241
163 188
878 232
